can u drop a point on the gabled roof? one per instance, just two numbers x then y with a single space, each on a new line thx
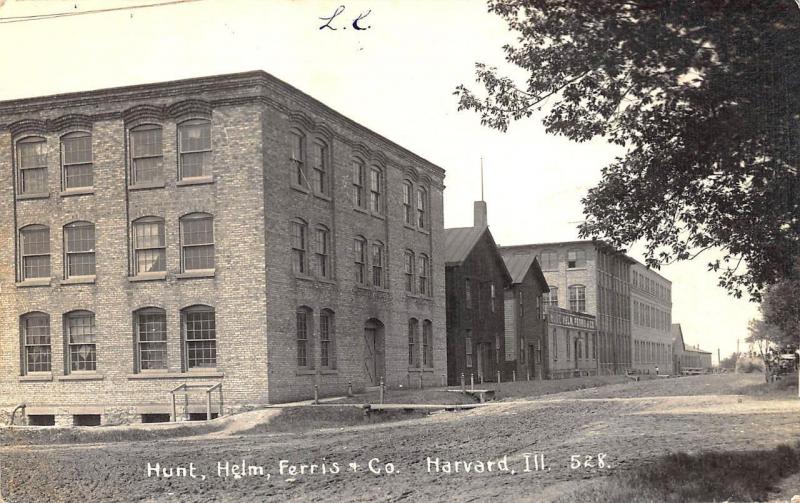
459 242
677 335
518 266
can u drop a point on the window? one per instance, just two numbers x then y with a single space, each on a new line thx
299 242
427 344
576 259
555 344
468 347
521 301
359 198
360 259
297 157
35 251
577 298
79 249
322 255
194 138
492 295
146 155
32 165
199 337
304 342
35 329
586 346
567 344
423 274
149 244
81 341
327 347
549 260
409 270
377 264
150 328
376 202
497 349
413 343
422 207
320 167
551 298
76 159
468 293
408 211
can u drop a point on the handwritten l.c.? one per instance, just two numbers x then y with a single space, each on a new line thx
340 9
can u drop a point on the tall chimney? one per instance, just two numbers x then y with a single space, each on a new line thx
480 219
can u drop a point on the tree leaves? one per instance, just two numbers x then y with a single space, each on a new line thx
704 96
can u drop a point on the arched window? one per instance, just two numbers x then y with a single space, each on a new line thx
80 335
76 160
149 245
197 242
360 259
551 298
322 255
422 207
577 298
408 210
378 254
35 251
427 344
327 340
147 155
199 334
297 157
32 165
576 259
424 275
359 176
194 139
37 350
408 258
304 337
376 190
150 333
413 343
320 161
79 258
299 246
549 260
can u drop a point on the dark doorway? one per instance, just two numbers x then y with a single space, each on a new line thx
374 351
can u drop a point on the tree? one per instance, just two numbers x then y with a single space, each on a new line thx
703 95
781 306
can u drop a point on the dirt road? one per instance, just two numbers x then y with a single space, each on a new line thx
628 424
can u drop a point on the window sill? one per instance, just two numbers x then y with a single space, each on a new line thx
82 376
303 277
576 268
414 369
37 377
78 191
306 372
199 273
360 210
423 230
324 197
41 195
33 282
378 216
148 276
195 180
329 372
327 281
298 188
409 226
148 185
78 280
198 374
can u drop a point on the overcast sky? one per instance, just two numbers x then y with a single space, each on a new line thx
397 77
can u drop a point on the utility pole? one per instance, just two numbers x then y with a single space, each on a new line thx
737 347
719 360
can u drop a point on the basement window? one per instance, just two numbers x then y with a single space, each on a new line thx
86 420
201 416
156 418
41 420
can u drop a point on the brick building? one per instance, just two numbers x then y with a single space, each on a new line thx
476 277
590 277
524 318
651 321
571 344
226 229
687 358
